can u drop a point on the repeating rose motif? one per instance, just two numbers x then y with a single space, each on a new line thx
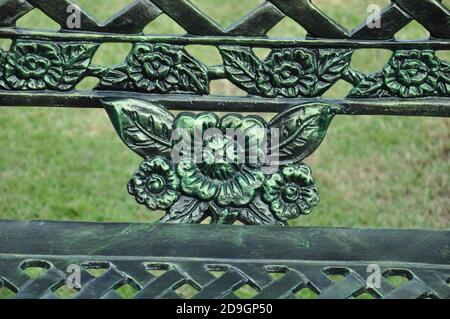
219 176
41 65
409 74
291 192
157 68
167 68
33 66
154 184
152 68
288 73
194 169
412 73
149 68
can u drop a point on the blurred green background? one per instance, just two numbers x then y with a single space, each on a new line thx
69 164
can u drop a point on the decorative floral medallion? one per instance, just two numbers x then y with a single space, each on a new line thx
219 174
200 171
412 73
154 184
40 65
408 74
152 68
291 192
33 66
157 68
289 73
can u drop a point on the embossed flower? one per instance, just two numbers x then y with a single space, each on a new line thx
224 172
33 66
155 184
412 73
152 68
291 192
289 73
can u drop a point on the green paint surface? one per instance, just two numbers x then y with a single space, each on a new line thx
65 164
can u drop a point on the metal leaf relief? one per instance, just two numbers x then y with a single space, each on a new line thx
157 68
331 65
408 74
258 213
285 72
144 127
243 184
76 59
2 81
443 84
242 66
187 210
302 129
215 177
40 65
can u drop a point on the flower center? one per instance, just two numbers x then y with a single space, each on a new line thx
290 193
32 66
156 184
287 74
413 72
156 67
219 160
219 149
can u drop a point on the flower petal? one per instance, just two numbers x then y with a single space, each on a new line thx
186 168
166 199
226 195
277 207
199 186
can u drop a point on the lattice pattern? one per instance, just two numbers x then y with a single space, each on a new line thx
433 15
421 282
277 266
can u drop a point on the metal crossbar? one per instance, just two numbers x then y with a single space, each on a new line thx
302 258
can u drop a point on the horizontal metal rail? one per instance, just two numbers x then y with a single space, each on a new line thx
287 243
303 256
437 44
439 107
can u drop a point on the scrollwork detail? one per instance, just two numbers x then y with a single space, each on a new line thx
220 182
159 68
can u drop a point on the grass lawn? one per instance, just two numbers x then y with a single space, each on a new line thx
372 171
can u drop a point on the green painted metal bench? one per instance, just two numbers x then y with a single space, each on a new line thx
261 181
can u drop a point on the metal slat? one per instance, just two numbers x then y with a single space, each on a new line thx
243 251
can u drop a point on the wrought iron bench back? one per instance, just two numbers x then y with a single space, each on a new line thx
272 185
